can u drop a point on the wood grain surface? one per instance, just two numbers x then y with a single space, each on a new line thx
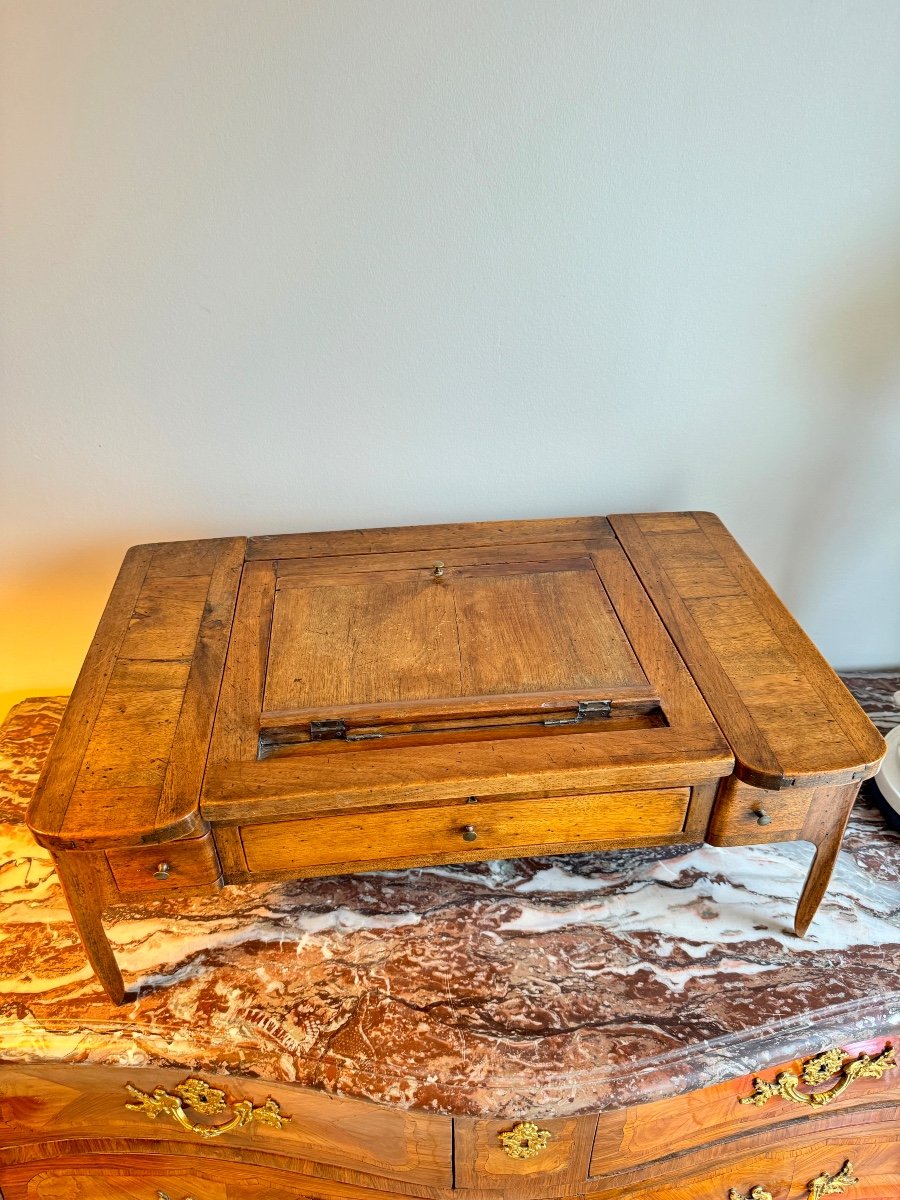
498 829
788 717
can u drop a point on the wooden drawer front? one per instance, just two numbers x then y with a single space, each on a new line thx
863 1146
437 834
119 1182
744 815
189 863
557 1169
167 1177
328 1134
646 1133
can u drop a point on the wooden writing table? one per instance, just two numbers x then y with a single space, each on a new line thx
317 704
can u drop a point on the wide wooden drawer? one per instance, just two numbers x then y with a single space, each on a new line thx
463 830
329 1135
167 1177
189 863
805 1163
645 1133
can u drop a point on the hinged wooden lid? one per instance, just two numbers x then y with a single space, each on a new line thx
364 652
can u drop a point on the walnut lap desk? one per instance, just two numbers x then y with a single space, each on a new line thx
316 704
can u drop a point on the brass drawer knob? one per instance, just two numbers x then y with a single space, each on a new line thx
524 1140
819 1070
832 1185
162 871
469 833
208 1101
762 817
438 570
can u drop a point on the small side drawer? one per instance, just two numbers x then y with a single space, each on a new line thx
559 1167
744 815
166 867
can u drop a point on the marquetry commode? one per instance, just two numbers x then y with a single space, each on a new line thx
827 1125
311 704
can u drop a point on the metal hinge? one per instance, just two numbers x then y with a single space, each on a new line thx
323 731
586 710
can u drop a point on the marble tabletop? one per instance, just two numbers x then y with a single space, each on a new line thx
537 986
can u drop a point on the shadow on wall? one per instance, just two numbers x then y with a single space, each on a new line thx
48 615
855 353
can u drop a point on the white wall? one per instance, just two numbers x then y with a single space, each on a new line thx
282 264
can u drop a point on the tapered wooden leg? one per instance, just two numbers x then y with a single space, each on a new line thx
84 877
824 827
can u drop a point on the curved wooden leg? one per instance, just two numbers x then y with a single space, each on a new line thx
83 875
824 827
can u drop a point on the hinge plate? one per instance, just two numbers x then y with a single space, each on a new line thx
325 731
587 710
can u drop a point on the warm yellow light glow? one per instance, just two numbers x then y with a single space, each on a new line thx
48 614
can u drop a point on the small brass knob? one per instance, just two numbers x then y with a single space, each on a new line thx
162 871
438 570
469 834
762 817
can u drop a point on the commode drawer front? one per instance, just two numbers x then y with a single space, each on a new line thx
168 1177
330 1136
463 830
526 1158
167 867
858 1156
844 1079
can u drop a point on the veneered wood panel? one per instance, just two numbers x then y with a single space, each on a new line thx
340 1135
558 1170
782 1161
359 840
207 1174
124 1181
647 1133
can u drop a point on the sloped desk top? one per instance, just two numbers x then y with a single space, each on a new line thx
563 985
